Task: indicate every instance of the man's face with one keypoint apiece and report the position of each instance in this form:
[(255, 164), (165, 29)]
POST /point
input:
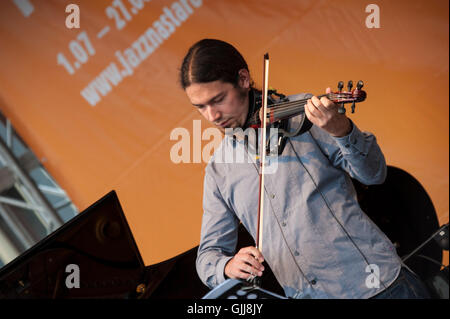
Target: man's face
[(221, 103)]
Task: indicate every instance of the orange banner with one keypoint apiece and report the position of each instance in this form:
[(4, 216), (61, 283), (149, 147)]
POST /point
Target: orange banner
[(98, 104)]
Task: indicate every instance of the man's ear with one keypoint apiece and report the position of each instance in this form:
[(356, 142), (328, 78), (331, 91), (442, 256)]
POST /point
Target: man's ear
[(244, 78)]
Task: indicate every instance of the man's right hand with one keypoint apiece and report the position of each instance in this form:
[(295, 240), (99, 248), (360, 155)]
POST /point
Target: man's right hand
[(245, 264)]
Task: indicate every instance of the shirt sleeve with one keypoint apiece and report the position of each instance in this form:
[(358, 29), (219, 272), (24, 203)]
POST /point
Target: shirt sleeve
[(218, 234), (358, 153)]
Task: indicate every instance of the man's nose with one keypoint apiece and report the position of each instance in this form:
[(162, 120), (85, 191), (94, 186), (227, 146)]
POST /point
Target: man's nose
[(212, 113)]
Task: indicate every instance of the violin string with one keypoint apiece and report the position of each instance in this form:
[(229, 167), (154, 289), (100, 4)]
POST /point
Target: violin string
[(287, 109), (283, 104), (292, 107), (331, 96)]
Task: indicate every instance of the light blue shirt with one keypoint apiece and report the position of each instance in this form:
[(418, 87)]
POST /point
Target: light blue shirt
[(316, 239)]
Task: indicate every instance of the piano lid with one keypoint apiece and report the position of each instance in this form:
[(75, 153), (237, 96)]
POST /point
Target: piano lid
[(94, 255)]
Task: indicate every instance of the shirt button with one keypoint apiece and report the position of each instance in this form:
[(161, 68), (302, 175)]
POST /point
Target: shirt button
[(347, 145), (273, 196), (363, 154), (283, 224), (313, 282), (296, 253)]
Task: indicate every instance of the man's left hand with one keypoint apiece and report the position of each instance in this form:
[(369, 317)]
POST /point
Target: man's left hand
[(324, 114)]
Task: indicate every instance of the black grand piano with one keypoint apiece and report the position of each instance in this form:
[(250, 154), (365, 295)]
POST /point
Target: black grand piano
[(99, 242), (97, 246)]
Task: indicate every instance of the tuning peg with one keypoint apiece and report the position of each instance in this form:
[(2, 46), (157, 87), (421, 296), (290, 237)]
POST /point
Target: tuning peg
[(340, 85), (360, 84), (349, 85)]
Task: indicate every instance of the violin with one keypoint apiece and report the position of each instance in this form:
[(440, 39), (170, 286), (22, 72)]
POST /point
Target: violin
[(285, 109), (280, 109)]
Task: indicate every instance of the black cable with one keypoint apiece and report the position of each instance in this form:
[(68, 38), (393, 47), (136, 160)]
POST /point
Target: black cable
[(432, 260)]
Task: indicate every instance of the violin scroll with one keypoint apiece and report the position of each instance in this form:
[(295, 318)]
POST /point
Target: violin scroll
[(350, 96)]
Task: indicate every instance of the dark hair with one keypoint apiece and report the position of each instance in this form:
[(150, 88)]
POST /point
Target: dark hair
[(210, 60)]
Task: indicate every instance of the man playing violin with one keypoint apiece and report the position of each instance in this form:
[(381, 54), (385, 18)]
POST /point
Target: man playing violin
[(318, 241)]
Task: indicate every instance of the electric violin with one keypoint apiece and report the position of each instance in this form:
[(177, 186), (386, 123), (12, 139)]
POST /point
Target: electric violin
[(281, 108)]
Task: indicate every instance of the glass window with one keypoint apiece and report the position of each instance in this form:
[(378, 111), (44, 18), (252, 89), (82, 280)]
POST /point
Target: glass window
[(22, 221)]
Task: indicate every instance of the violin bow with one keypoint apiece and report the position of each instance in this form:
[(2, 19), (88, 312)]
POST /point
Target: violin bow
[(262, 152)]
